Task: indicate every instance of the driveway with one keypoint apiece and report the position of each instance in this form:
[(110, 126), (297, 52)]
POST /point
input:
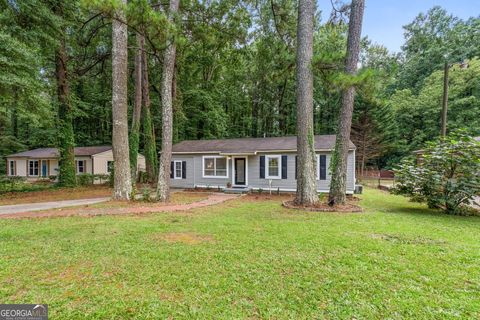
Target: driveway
[(28, 207)]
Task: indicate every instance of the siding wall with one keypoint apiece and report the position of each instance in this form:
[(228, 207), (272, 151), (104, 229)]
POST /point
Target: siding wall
[(194, 174), (100, 162), (53, 170), (22, 167)]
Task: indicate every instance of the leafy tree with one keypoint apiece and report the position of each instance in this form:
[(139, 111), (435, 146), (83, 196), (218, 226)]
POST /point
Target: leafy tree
[(431, 39), (373, 130), (446, 175), (419, 114)]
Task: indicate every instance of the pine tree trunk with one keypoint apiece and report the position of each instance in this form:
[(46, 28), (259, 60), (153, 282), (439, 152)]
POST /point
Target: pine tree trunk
[(163, 187), (338, 185), (306, 182), (122, 178), (137, 109), (148, 129), (66, 137)]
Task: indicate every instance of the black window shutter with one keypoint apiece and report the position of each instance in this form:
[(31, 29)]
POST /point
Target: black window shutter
[(284, 166), (262, 167), (171, 169), (323, 167), (184, 169), (295, 167)]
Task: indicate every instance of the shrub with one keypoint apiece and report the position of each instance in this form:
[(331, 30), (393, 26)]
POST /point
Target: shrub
[(111, 178), (142, 177), (20, 184), (448, 177), (101, 178), (147, 193), (85, 179)]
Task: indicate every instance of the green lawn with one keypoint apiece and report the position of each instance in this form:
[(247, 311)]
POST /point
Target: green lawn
[(248, 259)]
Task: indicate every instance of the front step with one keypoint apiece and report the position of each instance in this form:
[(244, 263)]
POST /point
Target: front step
[(237, 190)]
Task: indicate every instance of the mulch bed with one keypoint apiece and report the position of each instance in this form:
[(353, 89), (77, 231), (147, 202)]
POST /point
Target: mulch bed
[(323, 207)]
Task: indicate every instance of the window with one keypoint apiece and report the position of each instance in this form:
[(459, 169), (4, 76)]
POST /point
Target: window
[(80, 166), (215, 167), (321, 167), (11, 168), (178, 170), (33, 167), (109, 166), (273, 167)]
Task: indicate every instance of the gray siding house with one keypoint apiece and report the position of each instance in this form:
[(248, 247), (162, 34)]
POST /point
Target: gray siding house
[(255, 163)]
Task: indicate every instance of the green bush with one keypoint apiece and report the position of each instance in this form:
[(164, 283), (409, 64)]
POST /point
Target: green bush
[(111, 178), (447, 177), (142, 177), (85, 179), (101, 178), (20, 184)]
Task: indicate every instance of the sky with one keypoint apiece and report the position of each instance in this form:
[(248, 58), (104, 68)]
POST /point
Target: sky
[(384, 19)]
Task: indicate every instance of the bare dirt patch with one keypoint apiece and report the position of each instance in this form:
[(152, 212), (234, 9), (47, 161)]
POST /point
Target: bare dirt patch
[(184, 237), (267, 196), (324, 207), (56, 194), (125, 207)]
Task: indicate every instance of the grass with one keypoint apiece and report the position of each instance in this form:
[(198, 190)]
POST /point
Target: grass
[(248, 258)]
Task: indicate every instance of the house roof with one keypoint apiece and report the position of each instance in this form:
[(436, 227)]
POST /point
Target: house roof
[(53, 152), (251, 145)]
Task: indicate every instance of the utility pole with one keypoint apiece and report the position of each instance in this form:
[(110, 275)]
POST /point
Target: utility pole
[(445, 100)]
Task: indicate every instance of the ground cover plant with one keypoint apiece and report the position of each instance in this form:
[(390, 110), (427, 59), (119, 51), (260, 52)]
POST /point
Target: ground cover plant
[(248, 258)]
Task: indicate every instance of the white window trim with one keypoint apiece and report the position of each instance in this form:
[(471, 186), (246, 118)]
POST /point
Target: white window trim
[(267, 167), (246, 171), (38, 168), (318, 167), (214, 167), (78, 166), (175, 169), (10, 167)]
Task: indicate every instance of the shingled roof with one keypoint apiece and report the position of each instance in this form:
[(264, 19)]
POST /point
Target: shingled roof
[(251, 145), (42, 153)]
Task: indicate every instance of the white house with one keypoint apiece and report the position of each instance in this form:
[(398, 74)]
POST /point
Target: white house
[(43, 162)]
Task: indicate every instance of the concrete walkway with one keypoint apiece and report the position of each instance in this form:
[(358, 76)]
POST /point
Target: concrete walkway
[(29, 207)]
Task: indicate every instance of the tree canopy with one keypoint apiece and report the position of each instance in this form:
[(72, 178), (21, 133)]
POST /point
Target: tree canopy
[(234, 74)]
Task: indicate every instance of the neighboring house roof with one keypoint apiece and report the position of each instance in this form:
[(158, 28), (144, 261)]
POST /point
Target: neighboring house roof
[(53, 152), (251, 145)]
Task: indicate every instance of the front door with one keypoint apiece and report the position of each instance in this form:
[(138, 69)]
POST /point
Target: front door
[(44, 168), (240, 170)]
